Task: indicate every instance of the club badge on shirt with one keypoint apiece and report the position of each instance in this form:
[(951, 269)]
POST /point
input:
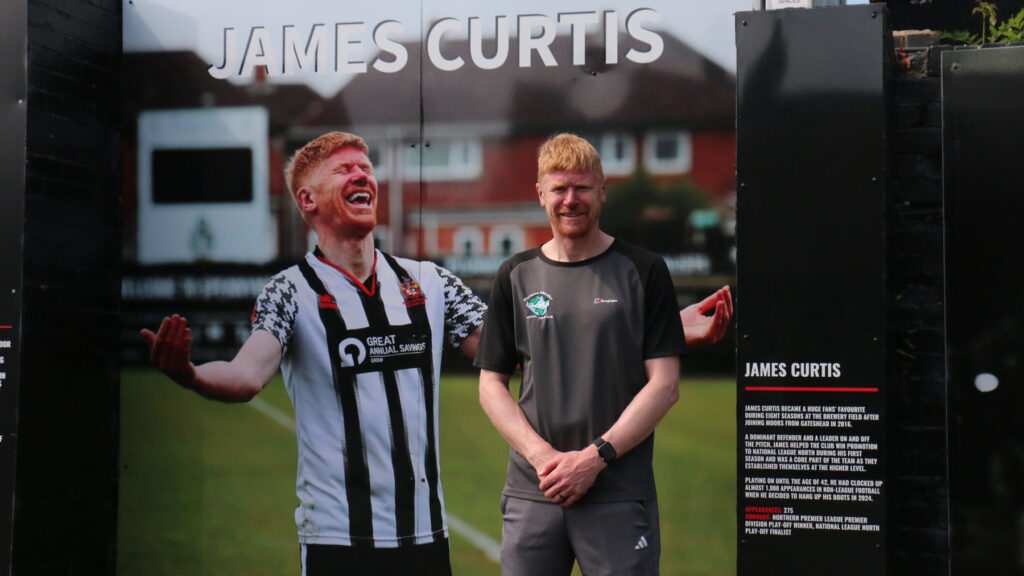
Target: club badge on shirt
[(412, 294), (539, 303)]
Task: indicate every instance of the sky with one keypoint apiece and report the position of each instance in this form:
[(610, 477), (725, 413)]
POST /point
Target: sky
[(198, 25)]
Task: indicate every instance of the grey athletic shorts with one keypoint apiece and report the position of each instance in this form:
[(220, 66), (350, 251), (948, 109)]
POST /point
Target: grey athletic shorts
[(607, 538)]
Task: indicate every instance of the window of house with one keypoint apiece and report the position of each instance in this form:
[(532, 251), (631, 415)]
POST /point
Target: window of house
[(467, 241), (618, 152), (445, 160), (668, 152), (379, 160), (507, 240)]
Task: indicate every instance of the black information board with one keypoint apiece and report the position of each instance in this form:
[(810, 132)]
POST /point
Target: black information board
[(811, 306), (982, 92), (12, 198)]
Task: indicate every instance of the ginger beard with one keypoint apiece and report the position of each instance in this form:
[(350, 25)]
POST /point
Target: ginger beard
[(572, 201), (346, 193)]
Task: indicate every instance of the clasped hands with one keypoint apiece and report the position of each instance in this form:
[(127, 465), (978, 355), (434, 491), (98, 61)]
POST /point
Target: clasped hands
[(565, 477)]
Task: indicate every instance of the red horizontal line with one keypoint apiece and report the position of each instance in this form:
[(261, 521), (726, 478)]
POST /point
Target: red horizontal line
[(805, 389), (7, 327)]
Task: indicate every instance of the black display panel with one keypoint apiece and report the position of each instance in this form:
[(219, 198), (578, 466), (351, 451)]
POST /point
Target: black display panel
[(811, 291), (202, 175), (982, 149)]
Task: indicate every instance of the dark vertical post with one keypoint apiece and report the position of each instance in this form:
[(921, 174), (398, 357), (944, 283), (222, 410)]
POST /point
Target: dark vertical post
[(12, 197), (811, 298), (917, 510), (65, 494)]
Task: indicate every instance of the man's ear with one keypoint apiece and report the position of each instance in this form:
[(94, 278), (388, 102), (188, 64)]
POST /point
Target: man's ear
[(304, 198), (540, 194)]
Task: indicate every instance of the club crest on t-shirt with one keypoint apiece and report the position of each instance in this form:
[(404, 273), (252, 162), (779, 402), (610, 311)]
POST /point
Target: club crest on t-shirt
[(411, 293), (538, 303)]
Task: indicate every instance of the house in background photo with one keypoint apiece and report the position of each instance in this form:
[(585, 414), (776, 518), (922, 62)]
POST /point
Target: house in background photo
[(208, 217)]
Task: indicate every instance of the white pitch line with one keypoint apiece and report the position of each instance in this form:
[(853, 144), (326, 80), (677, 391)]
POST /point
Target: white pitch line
[(482, 542), (273, 412)]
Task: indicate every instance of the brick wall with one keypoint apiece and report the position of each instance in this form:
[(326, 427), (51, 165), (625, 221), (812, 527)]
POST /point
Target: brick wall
[(66, 479), (918, 495)]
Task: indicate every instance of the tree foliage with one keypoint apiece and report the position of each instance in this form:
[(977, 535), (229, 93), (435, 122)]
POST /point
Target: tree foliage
[(652, 214), (992, 30)]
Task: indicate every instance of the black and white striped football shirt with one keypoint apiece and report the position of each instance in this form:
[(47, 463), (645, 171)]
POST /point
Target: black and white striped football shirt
[(361, 365)]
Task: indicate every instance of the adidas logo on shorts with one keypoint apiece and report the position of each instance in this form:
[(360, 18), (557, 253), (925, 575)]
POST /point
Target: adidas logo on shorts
[(641, 543)]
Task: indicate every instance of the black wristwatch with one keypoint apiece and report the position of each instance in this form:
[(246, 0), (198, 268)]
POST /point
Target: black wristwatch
[(605, 450)]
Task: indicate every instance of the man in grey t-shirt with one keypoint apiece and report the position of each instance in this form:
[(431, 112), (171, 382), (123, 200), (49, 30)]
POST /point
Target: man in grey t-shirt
[(593, 322)]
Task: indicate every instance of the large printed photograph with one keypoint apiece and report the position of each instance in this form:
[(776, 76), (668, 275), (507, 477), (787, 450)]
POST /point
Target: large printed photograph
[(452, 101)]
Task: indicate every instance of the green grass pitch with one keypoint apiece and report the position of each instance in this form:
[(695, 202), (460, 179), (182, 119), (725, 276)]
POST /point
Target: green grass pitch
[(209, 489)]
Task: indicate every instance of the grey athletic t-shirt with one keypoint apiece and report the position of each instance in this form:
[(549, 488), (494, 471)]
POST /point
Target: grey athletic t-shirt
[(581, 331)]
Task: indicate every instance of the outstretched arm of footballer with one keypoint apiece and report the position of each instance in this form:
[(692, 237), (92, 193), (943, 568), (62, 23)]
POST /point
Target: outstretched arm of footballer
[(508, 418), (236, 381), (567, 476), (702, 330)]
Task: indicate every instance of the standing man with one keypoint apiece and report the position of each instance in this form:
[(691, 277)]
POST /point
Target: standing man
[(593, 322), (358, 336)]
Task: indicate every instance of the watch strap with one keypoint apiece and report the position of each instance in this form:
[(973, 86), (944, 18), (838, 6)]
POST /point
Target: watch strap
[(605, 450)]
